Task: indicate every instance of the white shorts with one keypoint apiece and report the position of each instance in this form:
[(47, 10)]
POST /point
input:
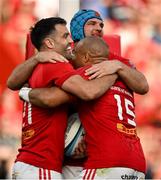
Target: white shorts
[(26, 171), (111, 173), (71, 172)]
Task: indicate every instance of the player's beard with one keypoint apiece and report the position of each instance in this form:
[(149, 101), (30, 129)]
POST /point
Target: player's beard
[(69, 54), (97, 34)]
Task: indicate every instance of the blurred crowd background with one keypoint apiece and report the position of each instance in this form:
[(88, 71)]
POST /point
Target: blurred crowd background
[(138, 22)]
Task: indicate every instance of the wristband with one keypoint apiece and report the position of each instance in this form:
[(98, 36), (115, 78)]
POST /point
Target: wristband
[(24, 93)]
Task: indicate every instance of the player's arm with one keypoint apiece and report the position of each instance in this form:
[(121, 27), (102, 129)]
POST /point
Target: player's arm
[(54, 96), (23, 71), (134, 79), (46, 97), (75, 84), (88, 90)]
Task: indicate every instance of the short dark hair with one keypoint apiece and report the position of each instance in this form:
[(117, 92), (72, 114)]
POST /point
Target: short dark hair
[(43, 28)]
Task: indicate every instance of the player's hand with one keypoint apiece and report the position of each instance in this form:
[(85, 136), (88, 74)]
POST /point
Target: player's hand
[(52, 57), (102, 69), (80, 150)]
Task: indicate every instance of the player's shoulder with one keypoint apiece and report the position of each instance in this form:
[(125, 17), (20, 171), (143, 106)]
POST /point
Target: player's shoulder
[(81, 71), (114, 56), (57, 67)]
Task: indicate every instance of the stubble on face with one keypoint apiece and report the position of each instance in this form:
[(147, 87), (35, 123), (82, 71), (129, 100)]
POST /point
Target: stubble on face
[(93, 27), (63, 41)]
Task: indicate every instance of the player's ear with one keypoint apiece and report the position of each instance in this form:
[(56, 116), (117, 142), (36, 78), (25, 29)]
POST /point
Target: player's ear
[(86, 57), (49, 43)]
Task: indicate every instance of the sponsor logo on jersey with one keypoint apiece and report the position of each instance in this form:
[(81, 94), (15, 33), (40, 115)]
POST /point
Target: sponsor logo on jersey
[(28, 134)]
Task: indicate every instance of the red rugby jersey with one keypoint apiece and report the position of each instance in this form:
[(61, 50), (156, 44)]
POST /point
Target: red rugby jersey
[(43, 129), (109, 123)]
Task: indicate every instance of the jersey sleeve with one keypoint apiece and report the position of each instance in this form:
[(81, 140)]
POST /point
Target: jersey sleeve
[(53, 73), (79, 71)]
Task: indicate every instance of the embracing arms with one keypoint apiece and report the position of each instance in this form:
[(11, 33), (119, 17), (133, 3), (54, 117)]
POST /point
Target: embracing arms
[(76, 85), (134, 79), (88, 90), (49, 97), (23, 71)]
